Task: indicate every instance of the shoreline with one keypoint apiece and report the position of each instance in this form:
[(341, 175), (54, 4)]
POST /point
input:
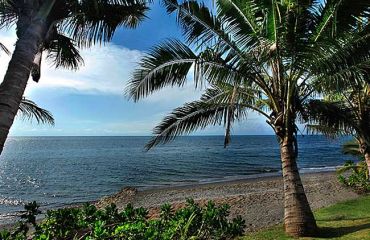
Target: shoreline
[(246, 196), (232, 179), (258, 200)]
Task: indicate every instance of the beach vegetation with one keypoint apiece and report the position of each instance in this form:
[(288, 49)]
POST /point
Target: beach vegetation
[(351, 174), (355, 175), (346, 113), (88, 222), (260, 56), (349, 220), (57, 29)]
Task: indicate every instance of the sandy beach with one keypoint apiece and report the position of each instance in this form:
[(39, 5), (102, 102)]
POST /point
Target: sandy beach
[(259, 201)]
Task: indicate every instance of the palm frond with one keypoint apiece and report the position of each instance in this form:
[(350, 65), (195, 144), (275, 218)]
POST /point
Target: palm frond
[(330, 118), (201, 27), (351, 12), (91, 22), (168, 64), (244, 13), (357, 168), (30, 110), (351, 148), (209, 110), (341, 62), (196, 20), (63, 52), (9, 10), (4, 49)]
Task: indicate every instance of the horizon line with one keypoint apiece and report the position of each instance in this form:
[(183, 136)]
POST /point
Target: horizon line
[(210, 135)]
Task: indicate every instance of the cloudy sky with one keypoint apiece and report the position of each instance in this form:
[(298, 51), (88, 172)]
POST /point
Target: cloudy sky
[(90, 101)]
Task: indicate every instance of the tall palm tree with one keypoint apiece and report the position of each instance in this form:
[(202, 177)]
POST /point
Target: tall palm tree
[(259, 56), (58, 28), (345, 114)]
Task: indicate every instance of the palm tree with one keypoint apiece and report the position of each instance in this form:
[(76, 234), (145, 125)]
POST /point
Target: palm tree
[(259, 56), (344, 114), (58, 28)]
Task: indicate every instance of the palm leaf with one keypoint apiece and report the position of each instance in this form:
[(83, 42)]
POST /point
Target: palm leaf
[(351, 148), (30, 110), (90, 22), (166, 65), (169, 64), (63, 53), (202, 28), (9, 10), (330, 118), (4, 49), (211, 109)]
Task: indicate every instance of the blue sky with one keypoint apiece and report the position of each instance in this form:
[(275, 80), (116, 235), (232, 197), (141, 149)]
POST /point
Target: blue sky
[(90, 101)]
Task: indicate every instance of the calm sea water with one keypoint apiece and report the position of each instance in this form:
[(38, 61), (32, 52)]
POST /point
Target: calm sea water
[(56, 171)]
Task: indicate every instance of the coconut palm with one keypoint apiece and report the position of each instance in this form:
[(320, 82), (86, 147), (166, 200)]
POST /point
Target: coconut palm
[(259, 56), (345, 114), (59, 28)]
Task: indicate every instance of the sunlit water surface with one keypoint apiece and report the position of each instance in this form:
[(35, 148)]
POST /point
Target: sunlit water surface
[(56, 171)]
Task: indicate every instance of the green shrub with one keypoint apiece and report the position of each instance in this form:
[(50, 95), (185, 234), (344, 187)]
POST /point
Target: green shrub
[(90, 223), (356, 177)]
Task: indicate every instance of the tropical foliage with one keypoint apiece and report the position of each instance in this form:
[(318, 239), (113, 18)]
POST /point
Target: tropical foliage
[(29, 110), (58, 29), (260, 56), (354, 175), (347, 113), (88, 222)]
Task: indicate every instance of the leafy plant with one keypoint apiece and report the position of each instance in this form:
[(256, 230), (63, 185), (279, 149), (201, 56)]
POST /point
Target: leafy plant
[(357, 177), (88, 222)]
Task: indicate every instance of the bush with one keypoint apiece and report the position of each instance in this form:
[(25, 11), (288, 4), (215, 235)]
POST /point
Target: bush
[(88, 222), (355, 176)]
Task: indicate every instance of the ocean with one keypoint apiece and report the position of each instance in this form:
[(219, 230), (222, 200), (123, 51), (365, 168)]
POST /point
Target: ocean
[(59, 171)]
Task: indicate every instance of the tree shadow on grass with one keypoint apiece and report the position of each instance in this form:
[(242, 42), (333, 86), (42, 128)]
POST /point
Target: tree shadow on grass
[(331, 232)]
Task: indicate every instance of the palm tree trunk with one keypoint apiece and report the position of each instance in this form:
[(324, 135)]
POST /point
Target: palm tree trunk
[(15, 81), (367, 160), (298, 218), (364, 149)]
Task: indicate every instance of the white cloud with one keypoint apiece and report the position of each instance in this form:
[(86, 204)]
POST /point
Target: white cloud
[(107, 70)]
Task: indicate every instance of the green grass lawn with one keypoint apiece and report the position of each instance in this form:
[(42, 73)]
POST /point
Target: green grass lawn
[(347, 220)]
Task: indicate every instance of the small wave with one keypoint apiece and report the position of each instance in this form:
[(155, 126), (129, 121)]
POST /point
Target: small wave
[(11, 202), (10, 218), (319, 169)]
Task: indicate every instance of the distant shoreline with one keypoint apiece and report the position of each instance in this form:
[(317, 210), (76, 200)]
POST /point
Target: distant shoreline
[(236, 179)]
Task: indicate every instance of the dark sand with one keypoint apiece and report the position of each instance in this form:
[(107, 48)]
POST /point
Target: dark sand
[(259, 201)]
